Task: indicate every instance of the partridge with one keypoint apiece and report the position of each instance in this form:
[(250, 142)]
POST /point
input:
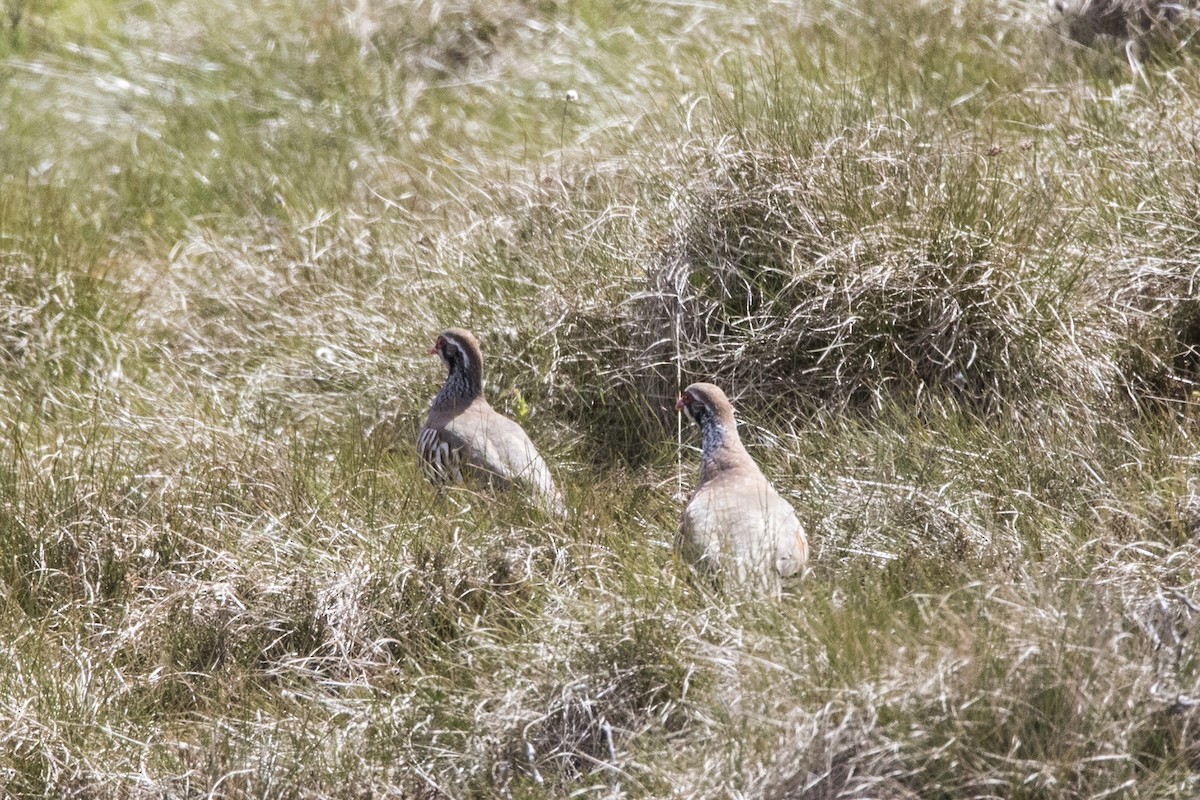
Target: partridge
[(736, 524), (464, 437)]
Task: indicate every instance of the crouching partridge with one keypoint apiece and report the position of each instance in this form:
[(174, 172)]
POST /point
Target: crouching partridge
[(464, 437), (736, 523)]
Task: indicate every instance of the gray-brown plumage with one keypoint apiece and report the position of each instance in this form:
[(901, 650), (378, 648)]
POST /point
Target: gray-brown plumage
[(465, 438), (736, 524)]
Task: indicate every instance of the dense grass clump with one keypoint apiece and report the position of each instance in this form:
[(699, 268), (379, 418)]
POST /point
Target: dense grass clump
[(842, 279), (1141, 26), (942, 258)]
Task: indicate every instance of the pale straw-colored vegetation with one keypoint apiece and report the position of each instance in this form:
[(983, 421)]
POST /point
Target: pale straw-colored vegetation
[(943, 259)]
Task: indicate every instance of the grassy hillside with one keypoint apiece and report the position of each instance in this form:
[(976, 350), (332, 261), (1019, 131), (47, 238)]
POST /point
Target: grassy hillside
[(944, 261)]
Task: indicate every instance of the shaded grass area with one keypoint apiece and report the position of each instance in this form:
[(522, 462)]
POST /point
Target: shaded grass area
[(942, 260)]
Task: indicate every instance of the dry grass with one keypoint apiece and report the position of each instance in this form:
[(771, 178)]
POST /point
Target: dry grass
[(943, 261)]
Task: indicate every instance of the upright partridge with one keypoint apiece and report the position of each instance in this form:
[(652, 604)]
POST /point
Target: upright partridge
[(736, 523), (465, 437)]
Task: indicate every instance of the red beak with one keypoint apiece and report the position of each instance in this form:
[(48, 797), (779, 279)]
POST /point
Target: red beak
[(433, 351), (679, 404)]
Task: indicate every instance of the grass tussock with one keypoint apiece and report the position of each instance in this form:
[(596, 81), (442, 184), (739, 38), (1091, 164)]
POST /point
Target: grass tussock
[(842, 279), (942, 259), (1145, 25)]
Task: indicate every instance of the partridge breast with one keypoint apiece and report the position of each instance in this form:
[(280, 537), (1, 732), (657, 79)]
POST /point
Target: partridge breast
[(743, 528)]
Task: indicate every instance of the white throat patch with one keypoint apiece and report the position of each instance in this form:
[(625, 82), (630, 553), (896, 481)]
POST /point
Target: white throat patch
[(462, 352)]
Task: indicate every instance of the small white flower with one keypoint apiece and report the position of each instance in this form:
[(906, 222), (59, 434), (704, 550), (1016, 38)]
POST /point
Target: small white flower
[(572, 96)]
